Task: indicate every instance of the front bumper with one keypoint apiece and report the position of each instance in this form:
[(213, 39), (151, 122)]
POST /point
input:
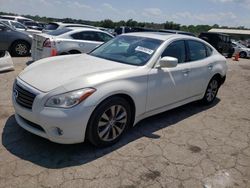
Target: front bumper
[(64, 126)]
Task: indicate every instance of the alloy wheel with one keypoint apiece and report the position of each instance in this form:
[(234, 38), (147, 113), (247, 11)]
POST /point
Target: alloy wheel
[(212, 90), (112, 123), (21, 49)]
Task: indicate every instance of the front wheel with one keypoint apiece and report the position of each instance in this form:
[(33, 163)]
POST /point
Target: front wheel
[(20, 49), (109, 121), (211, 91)]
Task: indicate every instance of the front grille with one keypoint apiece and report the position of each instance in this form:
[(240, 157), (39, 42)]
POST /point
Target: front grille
[(38, 127), (24, 97)]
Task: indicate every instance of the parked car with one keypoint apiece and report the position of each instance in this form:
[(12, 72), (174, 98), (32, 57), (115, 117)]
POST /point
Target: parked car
[(122, 30), (16, 42), (16, 18), (60, 25), (33, 25), (220, 42), (69, 40), (97, 96), (18, 26), (6, 62), (243, 51)]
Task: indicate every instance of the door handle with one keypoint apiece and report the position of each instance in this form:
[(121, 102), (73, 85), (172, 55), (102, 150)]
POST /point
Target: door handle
[(185, 72), (210, 67)]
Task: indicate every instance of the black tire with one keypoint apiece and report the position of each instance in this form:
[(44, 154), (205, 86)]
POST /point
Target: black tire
[(211, 91), (95, 127), (243, 54), (20, 49), (74, 52)]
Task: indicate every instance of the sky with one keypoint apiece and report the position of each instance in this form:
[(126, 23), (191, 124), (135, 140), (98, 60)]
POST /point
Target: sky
[(185, 12)]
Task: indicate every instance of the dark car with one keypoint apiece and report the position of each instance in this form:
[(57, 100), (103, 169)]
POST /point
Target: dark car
[(221, 42), (16, 42)]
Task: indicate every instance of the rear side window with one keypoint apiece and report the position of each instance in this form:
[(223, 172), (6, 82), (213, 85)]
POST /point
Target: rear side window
[(197, 50), (59, 31), (209, 50), (86, 35), (176, 49), (51, 26)]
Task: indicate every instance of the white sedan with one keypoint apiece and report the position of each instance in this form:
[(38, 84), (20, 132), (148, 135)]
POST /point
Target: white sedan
[(97, 96), (68, 40)]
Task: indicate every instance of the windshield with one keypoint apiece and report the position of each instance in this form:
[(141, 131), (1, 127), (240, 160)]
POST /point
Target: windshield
[(241, 45), (128, 49), (59, 31)]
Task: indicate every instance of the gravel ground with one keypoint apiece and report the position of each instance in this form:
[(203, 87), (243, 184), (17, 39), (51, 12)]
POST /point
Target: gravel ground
[(191, 146)]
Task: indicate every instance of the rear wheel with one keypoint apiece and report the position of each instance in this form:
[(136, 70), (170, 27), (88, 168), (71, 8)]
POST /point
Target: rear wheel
[(20, 49), (243, 54), (211, 91), (109, 121)]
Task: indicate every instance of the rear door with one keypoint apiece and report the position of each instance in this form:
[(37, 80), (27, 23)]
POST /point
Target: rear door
[(201, 63)]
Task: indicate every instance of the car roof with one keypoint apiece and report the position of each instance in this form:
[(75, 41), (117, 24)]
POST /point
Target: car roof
[(63, 24), (159, 35), (77, 29)]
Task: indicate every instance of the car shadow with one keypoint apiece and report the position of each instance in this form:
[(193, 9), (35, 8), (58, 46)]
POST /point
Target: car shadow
[(44, 153)]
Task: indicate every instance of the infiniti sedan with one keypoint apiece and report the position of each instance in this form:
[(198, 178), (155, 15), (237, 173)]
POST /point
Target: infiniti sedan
[(97, 96)]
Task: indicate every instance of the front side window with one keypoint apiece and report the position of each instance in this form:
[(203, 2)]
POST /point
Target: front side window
[(131, 50), (18, 25), (104, 37), (176, 49), (197, 50)]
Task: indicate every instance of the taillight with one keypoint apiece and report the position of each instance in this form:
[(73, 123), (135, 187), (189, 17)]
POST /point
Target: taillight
[(47, 43)]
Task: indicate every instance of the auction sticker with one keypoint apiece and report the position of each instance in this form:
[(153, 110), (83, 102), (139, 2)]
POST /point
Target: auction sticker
[(144, 50)]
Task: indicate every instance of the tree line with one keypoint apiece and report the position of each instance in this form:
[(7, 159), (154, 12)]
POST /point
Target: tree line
[(107, 23)]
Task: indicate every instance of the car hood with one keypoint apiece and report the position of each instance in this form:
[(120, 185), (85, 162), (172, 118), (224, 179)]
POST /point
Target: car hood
[(50, 73)]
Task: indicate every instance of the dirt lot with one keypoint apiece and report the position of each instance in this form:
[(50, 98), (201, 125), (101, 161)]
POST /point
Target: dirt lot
[(192, 146)]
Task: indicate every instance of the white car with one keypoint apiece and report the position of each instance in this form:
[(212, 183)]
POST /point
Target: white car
[(6, 62), (20, 19), (60, 25), (243, 51), (67, 41), (18, 26), (97, 96)]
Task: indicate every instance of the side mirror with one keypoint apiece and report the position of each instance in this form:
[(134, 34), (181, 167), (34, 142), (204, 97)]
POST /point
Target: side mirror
[(168, 62)]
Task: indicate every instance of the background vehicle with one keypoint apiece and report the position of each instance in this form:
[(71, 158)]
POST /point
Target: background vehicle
[(18, 26), (16, 18), (16, 42), (241, 49), (33, 25), (122, 30), (6, 62), (69, 40), (59, 25), (100, 94), (220, 42)]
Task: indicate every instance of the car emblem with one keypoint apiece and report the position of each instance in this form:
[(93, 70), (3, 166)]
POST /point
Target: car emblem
[(15, 93)]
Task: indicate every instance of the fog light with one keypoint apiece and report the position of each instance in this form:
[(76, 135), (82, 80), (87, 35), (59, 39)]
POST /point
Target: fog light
[(59, 131)]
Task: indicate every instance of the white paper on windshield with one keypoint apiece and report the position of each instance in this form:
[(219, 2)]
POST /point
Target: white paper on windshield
[(144, 50)]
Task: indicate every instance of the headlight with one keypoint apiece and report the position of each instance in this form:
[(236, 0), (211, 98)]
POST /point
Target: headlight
[(70, 99)]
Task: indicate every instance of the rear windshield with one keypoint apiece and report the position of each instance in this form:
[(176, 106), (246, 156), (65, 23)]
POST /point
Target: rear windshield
[(51, 26), (59, 31)]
